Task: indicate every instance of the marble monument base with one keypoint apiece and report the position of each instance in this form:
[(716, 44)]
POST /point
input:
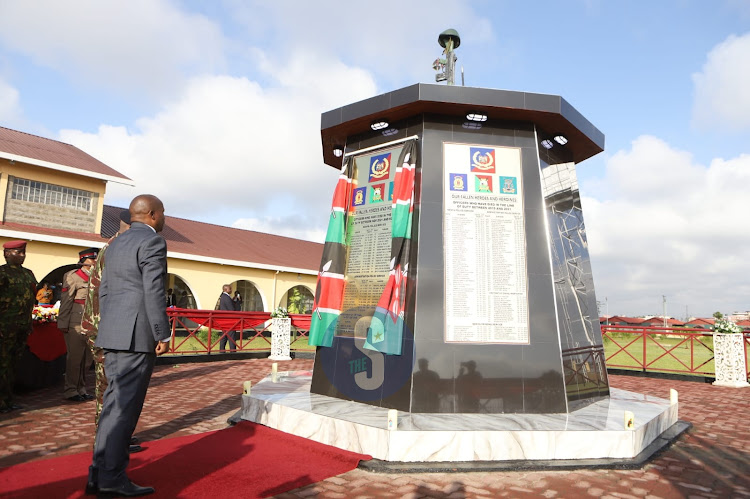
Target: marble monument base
[(594, 432)]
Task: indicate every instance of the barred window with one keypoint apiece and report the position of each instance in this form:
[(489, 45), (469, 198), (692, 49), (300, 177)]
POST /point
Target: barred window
[(55, 195)]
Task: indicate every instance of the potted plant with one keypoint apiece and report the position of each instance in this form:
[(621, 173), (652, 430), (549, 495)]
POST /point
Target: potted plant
[(729, 354)]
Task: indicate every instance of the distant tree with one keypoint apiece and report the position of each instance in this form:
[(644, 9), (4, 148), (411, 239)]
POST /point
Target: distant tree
[(718, 315), (294, 302)]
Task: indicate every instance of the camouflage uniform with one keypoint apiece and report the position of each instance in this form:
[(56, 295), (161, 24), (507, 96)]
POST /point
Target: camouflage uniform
[(74, 291), (90, 327), (17, 298)]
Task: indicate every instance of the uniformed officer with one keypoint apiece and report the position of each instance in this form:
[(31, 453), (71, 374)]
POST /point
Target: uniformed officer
[(17, 297), (74, 291)]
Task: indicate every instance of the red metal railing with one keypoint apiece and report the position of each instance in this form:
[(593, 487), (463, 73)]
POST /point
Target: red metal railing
[(660, 349), (201, 331)]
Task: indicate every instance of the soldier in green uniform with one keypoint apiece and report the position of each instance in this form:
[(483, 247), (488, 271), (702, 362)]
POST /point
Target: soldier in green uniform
[(74, 291), (17, 297), (90, 326)]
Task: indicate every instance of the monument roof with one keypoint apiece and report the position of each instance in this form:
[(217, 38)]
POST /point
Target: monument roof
[(551, 113), (48, 153)]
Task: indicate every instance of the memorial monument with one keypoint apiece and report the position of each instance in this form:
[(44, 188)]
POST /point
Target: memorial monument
[(455, 279)]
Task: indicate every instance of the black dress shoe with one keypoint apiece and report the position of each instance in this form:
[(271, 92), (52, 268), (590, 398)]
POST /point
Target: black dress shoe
[(88, 397), (134, 440), (76, 398), (91, 483), (11, 407), (127, 490), (132, 449)]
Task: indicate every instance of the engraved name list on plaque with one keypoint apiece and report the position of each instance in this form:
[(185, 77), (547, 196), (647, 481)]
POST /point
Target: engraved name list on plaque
[(486, 298)]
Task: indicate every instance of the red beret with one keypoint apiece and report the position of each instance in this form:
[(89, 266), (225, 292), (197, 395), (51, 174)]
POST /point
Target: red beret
[(15, 244)]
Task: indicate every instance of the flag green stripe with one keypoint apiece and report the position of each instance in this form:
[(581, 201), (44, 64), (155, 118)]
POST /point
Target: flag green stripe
[(401, 225), (321, 329), (335, 232)]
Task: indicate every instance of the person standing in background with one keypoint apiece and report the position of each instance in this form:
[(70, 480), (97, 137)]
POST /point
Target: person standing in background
[(17, 296), (79, 359), (44, 295), (226, 303)]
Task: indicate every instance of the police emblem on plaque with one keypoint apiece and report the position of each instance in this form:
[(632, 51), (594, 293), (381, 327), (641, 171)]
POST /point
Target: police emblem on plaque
[(482, 160), (380, 167)]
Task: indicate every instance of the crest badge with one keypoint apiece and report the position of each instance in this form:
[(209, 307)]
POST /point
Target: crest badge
[(377, 193), (509, 185), (380, 167), (359, 196), (483, 183), (458, 182), (482, 160)]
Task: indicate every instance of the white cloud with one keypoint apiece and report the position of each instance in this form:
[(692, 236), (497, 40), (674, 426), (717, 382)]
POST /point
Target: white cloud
[(227, 149), (299, 226), (669, 226), (135, 46), (722, 88), (397, 40), (10, 105)]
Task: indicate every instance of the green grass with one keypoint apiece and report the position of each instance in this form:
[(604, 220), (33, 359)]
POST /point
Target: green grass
[(657, 358)]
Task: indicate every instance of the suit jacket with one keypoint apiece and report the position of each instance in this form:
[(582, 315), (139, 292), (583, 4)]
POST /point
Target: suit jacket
[(132, 293), (225, 302)]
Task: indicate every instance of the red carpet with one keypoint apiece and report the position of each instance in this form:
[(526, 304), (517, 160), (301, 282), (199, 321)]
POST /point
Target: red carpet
[(246, 460)]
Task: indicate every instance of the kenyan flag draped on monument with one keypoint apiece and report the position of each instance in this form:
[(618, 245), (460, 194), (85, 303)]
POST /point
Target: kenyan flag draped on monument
[(329, 293), (387, 325)]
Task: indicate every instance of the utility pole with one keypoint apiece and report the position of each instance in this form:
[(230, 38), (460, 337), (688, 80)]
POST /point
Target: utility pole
[(664, 303)]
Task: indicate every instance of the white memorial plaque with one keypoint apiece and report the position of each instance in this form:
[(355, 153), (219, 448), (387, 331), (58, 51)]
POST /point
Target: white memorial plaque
[(484, 241)]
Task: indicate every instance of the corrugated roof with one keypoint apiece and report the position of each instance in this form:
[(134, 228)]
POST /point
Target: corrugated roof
[(38, 148), (629, 320), (205, 240)]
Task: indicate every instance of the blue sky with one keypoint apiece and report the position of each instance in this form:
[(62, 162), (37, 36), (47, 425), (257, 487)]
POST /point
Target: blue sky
[(215, 107)]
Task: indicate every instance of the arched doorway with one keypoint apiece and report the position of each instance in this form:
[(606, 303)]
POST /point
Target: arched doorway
[(298, 300), (252, 301), (184, 297)]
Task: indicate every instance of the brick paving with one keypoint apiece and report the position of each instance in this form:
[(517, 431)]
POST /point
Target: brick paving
[(712, 460)]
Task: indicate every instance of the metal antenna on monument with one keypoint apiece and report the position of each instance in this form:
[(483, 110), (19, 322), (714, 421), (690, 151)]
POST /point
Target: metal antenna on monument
[(450, 41)]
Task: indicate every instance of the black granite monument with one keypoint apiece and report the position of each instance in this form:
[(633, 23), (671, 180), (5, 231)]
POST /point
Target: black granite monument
[(500, 309)]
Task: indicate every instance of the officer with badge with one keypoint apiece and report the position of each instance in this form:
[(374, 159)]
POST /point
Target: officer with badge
[(17, 298), (72, 300)]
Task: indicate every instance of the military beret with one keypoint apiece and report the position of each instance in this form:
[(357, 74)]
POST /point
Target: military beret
[(14, 244), (88, 253)]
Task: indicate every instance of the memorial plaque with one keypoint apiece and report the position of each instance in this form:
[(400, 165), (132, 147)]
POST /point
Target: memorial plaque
[(486, 298), (368, 235)]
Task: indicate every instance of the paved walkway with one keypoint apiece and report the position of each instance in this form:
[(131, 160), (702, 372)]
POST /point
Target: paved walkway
[(711, 461)]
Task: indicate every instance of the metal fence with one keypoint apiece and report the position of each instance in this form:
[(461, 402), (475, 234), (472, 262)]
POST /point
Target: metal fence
[(659, 349), (202, 331)]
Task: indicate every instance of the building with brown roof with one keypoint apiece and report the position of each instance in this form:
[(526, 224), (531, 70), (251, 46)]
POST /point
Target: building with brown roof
[(53, 197)]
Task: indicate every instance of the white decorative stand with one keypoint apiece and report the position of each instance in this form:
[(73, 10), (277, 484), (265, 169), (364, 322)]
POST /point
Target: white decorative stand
[(281, 328), (729, 359)]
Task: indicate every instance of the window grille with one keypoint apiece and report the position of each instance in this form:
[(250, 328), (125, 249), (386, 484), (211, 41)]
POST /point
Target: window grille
[(50, 194)]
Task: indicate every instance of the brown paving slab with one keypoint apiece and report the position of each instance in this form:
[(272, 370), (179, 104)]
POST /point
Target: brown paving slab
[(712, 460)]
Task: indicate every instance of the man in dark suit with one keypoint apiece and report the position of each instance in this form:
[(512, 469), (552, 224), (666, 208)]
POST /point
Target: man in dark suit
[(133, 330), (226, 303)]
